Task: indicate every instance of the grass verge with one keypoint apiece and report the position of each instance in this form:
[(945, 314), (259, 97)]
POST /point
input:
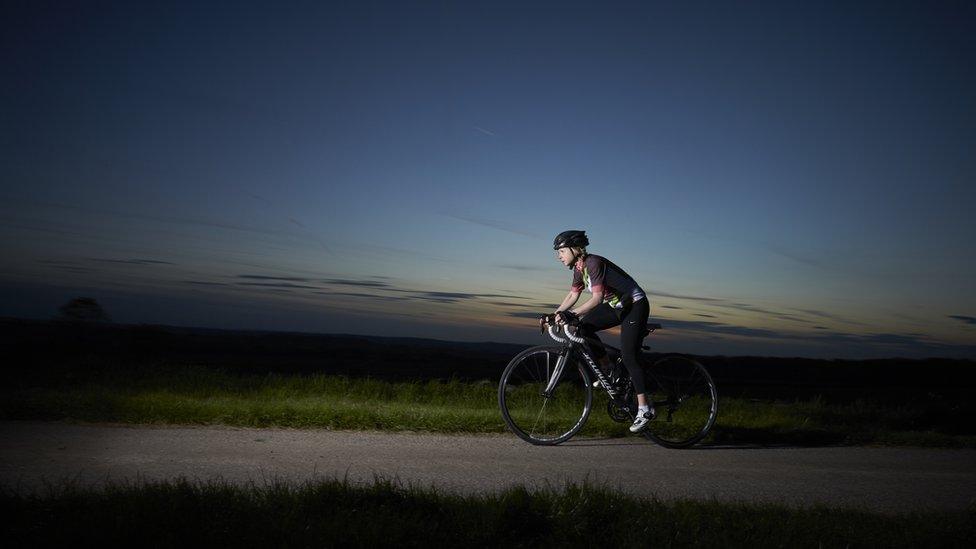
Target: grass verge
[(327, 513), (201, 395)]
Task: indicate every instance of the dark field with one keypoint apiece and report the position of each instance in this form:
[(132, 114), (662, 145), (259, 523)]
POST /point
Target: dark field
[(50, 343), (154, 374), (330, 513)]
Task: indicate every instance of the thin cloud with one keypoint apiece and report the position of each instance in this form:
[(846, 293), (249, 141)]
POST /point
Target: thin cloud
[(66, 266), (828, 316), (131, 261), (443, 297), (754, 309), (438, 297), (73, 269), (347, 282), (279, 285), (367, 296), (964, 319), (167, 219), (524, 268), (857, 262), (451, 295), (441, 301), (386, 251), (894, 339), (260, 198), (484, 131), (904, 341), (282, 278), (492, 224), (299, 224), (725, 304), (691, 297), (914, 342), (720, 328), (462, 295), (203, 283), (803, 260)]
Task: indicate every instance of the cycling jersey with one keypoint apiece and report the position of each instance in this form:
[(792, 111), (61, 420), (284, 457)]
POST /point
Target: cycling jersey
[(598, 273)]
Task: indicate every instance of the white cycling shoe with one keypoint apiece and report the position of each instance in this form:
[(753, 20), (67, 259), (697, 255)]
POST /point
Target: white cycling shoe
[(642, 420)]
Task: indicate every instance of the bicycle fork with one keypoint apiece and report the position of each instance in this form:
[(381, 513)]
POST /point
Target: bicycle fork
[(556, 373)]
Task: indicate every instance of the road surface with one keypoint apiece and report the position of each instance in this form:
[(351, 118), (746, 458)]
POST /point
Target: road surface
[(888, 480)]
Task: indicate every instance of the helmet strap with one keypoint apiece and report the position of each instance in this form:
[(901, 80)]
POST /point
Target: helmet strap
[(576, 257)]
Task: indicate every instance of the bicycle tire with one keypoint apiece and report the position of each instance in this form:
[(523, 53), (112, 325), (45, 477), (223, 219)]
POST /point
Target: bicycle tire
[(528, 412), (685, 400)]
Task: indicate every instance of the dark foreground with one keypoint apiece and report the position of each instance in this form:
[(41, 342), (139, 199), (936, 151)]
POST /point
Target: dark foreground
[(337, 513), (40, 346)]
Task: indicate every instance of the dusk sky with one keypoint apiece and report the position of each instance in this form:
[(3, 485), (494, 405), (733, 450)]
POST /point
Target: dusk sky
[(786, 179)]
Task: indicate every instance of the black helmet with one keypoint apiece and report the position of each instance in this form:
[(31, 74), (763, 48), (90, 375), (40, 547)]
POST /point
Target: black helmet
[(571, 239)]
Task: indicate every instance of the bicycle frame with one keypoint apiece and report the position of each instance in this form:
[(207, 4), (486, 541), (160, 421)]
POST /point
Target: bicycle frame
[(571, 343), (679, 378)]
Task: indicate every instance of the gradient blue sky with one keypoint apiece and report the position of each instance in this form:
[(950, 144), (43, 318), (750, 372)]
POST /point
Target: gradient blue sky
[(782, 178)]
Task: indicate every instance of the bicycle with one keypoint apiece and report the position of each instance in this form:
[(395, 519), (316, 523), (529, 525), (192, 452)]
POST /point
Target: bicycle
[(545, 392)]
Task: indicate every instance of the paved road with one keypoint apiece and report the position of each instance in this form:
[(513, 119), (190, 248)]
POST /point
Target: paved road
[(882, 479)]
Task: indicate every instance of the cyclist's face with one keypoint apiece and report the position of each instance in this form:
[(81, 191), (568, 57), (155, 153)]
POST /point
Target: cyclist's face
[(565, 256)]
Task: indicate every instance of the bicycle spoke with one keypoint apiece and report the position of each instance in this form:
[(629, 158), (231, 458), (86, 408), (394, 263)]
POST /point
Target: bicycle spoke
[(688, 403), (543, 418), (542, 411), (542, 408)]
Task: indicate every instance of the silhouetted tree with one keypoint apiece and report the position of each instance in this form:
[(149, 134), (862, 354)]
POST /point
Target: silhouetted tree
[(83, 309)]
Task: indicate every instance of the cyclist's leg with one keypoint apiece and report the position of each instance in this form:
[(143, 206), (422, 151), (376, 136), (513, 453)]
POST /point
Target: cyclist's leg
[(600, 318), (632, 328)]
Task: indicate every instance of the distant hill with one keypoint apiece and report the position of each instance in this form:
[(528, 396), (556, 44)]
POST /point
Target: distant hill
[(38, 341), (38, 344)]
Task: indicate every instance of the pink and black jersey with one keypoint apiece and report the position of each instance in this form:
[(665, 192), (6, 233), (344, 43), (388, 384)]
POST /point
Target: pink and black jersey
[(598, 273)]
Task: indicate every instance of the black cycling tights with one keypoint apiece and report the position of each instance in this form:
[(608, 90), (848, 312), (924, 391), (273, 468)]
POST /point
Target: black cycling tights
[(632, 320)]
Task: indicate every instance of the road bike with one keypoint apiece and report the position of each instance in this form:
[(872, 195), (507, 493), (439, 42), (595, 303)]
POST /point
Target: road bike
[(546, 392)]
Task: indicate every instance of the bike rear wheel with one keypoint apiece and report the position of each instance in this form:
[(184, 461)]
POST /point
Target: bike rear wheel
[(538, 416), (685, 399)]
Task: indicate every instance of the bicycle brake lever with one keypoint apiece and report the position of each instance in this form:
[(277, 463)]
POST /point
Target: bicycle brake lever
[(548, 319)]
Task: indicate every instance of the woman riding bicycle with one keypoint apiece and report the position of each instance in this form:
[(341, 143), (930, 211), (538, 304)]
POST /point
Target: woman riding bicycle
[(617, 301)]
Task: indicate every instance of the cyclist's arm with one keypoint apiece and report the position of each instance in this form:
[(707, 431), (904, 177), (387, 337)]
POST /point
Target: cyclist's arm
[(591, 304), (570, 300)]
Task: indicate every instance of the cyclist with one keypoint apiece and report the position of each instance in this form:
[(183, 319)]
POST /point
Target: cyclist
[(617, 301)]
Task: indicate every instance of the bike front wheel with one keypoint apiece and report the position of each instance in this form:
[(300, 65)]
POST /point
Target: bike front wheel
[(535, 414), (685, 399)]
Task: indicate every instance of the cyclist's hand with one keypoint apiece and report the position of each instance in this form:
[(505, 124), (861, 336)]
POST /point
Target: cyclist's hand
[(546, 320), (566, 317)]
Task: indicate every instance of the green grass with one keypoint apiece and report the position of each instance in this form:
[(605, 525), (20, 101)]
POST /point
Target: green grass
[(169, 394), (327, 513)]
